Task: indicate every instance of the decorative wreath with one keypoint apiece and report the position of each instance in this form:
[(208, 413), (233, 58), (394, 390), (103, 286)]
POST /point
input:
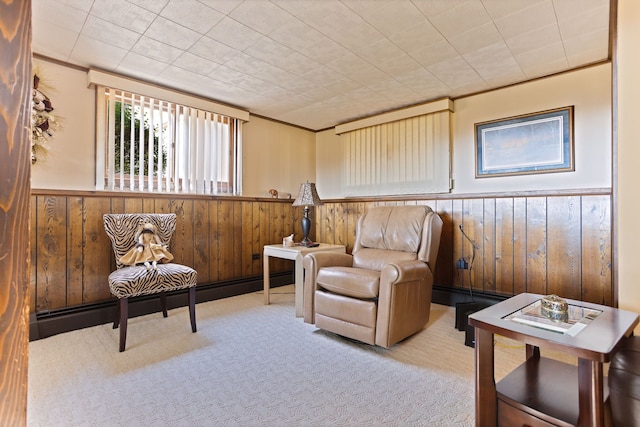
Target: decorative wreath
[(43, 122)]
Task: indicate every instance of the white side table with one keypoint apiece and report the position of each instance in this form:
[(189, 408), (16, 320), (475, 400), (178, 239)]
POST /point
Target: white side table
[(294, 253)]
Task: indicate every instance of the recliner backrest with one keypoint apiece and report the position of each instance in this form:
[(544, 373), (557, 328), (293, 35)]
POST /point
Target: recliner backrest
[(395, 233)]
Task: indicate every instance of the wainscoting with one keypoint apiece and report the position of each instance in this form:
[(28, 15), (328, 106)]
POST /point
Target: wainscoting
[(526, 242)]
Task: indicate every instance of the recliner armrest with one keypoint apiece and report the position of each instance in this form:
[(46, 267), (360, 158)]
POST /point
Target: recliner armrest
[(403, 301), (312, 263), (405, 271), (329, 259)]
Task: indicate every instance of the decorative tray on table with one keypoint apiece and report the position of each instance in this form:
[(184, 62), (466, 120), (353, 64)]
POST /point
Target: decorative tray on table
[(554, 314)]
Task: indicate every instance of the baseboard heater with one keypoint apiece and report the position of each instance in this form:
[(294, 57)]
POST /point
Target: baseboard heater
[(47, 323)]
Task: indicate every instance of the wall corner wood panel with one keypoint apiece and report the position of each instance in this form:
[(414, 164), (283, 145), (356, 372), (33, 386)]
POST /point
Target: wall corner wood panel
[(16, 82)]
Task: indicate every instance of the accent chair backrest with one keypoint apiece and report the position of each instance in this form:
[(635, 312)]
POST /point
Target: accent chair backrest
[(121, 229)]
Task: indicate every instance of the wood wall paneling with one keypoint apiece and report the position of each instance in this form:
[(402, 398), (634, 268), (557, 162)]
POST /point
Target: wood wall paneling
[(52, 253), (596, 252), (98, 251), (541, 244), (16, 85), (204, 238)]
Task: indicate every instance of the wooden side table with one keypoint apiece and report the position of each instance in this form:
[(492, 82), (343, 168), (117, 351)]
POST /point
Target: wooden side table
[(545, 391), (294, 253)]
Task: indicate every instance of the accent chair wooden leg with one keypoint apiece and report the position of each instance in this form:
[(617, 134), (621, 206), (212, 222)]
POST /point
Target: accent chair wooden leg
[(124, 314), (192, 308), (116, 319), (163, 303)]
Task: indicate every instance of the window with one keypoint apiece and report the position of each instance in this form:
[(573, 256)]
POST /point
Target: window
[(151, 145), (400, 152)]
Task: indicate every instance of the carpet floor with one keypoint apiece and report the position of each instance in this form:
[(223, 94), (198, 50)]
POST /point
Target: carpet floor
[(254, 365)]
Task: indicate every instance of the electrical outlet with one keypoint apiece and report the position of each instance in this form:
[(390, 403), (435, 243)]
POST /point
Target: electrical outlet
[(462, 264)]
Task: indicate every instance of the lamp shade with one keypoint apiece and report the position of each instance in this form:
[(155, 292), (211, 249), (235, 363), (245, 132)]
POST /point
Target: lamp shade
[(308, 195)]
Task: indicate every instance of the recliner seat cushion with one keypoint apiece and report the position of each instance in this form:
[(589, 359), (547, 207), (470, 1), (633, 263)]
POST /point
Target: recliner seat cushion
[(348, 281)]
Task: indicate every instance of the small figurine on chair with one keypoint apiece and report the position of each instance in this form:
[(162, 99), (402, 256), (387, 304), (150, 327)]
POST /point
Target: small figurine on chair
[(149, 249)]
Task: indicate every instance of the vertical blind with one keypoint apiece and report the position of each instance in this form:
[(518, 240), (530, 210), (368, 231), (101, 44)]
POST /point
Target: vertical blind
[(406, 156), (153, 145)]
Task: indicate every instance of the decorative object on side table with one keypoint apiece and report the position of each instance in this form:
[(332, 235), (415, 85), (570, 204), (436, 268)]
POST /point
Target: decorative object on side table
[(553, 313), (308, 196), (555, 308)]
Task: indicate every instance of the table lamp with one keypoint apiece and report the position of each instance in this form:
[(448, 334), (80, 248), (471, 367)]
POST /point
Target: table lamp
[(308, 196)]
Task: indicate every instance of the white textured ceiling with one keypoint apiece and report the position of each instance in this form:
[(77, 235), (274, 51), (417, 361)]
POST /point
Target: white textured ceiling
[(317, 63)]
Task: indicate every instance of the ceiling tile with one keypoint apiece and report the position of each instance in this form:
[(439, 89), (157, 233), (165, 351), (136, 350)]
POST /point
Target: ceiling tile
[(587, 48), (493, 61), (83, 5), (550, 58), (121, 12), (389, 17), (298, 64), (213, 50), (297, 35), (154, 6), (223, 6), (500, 8), (263, 16), (414, 39), (96, 53), (526, 20), (156, 50), (534, 39), (585, 22), (268, 50), (192, 14), (435, 53), (54, 41), (475, 38), (62, 15), (263, 70), (111, 33), (134, 63), (435, 7), (234, 34), (194, 63), (323, 75), (172, 34), (567, 9), (455, 73), (461, 18)]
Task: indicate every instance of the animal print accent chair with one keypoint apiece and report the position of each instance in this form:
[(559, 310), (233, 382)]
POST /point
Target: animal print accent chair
[(132, 281)]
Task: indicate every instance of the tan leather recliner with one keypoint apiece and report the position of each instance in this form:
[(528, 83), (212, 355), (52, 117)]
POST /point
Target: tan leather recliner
[(381, 293)]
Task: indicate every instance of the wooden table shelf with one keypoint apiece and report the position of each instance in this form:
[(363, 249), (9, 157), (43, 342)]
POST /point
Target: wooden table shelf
[(544, 388)]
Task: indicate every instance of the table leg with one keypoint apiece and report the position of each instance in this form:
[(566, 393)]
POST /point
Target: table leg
[(265, 278), (590, 393), (299, 285), (532, 351), (486, 395)]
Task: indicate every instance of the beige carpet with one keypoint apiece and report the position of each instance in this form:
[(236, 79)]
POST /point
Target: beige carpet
[(249, 365)]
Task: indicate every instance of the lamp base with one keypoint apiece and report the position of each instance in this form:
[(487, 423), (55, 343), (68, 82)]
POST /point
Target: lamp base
[(306, 227)]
